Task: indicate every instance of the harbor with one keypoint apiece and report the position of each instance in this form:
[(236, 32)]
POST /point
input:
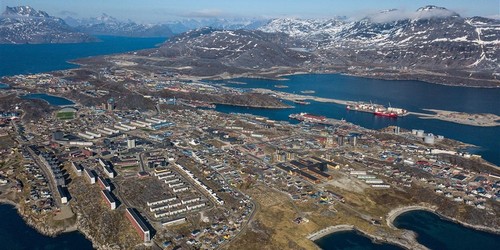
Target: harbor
[(470, 119)]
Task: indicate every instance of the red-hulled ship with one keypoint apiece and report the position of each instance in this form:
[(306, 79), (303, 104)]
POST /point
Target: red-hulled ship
[(386, 114)]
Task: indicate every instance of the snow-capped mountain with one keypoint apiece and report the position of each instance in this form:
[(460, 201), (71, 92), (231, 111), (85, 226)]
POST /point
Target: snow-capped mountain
[(182, 26), (431, 44), (305, 27), (209, 51), (108, 25), (24, 24), (429, 37)]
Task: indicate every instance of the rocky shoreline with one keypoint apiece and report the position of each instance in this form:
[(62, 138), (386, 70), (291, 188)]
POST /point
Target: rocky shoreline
[(409, 237), (428, 78), (408, 241), (393, 214), (47, 231)]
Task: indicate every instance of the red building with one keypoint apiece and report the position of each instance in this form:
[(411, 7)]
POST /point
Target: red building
[(109, 199), (138, 223)]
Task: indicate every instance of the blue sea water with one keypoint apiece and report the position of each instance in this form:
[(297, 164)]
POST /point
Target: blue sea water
[(52, 100), (351, 240), (35, 58), (432, 232), (16, 235), (410, 95), (437, 233)]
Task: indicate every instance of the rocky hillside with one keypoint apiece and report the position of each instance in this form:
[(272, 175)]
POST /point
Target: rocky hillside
[(23, 24), (207, 52), (429, 38)]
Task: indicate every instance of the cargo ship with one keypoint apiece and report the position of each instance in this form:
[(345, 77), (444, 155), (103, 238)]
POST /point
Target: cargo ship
[(377, 109)]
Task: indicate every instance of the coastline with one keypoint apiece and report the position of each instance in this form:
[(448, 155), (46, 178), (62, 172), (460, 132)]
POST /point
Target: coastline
[(393, 214), (46, 232), (409, 240), (409, 237), (282, 77), (330, 230)]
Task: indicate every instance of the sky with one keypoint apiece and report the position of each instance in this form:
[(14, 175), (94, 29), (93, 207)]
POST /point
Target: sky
[(166, 10)]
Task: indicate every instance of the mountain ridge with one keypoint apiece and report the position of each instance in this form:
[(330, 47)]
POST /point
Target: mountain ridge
[(23, 24)]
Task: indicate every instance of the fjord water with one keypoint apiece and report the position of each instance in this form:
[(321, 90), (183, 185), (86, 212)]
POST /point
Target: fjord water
[(350, 240), (16, 235), (410, 95), (437, 233), (35, 58)]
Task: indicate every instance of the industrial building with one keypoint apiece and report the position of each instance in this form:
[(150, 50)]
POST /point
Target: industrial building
[(139, 224)]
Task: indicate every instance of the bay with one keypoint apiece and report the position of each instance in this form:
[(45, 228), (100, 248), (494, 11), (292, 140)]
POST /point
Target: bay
[(437, 233), (36, 58), (16, 235), (351, 240), (432, 231)]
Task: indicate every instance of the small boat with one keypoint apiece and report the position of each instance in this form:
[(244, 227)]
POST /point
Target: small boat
[(280, 86), (301, 102), (307, 91)]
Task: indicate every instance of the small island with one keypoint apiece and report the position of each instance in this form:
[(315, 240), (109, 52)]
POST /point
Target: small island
[(480, 120)]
